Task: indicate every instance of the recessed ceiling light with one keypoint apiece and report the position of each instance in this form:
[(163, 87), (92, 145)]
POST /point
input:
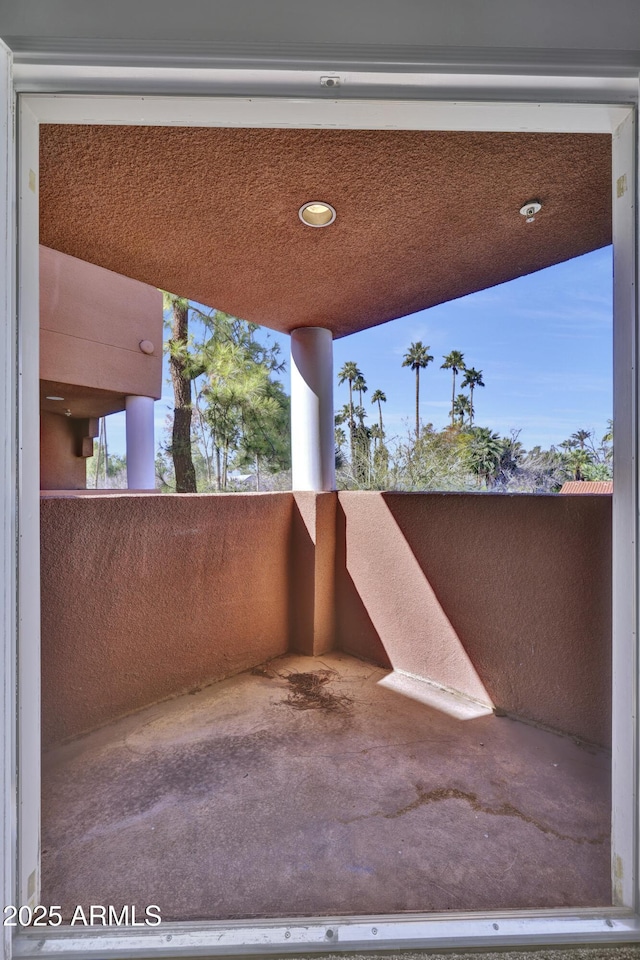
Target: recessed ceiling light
[(54, 398), (316, 213)]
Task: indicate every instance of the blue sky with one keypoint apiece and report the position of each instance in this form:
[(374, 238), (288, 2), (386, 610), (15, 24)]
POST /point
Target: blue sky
[(543, 342)]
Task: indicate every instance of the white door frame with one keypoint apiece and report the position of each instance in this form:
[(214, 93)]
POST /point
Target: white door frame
[(498, 929), (8, 422)]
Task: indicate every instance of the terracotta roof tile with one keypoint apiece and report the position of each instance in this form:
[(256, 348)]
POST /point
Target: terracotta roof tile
[(588, 486)]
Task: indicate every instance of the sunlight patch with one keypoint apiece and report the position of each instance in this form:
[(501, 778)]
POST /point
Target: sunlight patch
[(446, 701)]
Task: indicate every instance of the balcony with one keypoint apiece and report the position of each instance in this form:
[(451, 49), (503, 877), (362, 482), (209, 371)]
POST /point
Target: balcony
[(317, 704)]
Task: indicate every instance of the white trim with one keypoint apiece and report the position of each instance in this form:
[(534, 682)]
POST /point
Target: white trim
[(513, 929), (190, 80), (28, 513), (625, 518), (480, 116), (8, 418), (281, 937), (338, 54)]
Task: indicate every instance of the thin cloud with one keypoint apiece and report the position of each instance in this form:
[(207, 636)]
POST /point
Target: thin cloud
[(570, 381), (576, 316)]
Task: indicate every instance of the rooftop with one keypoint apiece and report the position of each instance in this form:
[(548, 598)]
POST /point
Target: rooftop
[(587, 486)]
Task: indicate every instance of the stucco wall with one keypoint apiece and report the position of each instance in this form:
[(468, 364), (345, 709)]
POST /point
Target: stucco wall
[(505, 598), (91, 323), (60, 466), (144, 597)]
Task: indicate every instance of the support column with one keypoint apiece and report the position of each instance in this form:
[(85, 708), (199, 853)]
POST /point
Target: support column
[(141, 454), (312, 609), (312, 424)]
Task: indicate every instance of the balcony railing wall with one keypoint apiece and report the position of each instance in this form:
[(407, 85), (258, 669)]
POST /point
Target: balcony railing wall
[(502, 598)]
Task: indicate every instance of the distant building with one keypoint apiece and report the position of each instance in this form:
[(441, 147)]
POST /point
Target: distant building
[(100, 352), (587, 486)]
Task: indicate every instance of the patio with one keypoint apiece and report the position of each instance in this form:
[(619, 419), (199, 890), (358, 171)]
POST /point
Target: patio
[(180, 770), (267, 795)]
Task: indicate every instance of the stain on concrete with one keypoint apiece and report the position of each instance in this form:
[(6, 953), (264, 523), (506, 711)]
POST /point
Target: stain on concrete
[(504, 810), (308, 692)]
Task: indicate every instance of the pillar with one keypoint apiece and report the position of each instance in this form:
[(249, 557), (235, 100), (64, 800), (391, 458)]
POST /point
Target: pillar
[(312, 605), (312, 424), (141, 454)]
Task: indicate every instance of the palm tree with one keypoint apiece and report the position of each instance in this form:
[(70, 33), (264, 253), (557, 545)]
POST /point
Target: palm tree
[(379, 398), (462, 407), (348, 374), (360, 384), (578, 461), (376, 433), (485, 451), (472, 379), (581, 437), (417, 357), (340, 438), (453, 361), (360, 413)]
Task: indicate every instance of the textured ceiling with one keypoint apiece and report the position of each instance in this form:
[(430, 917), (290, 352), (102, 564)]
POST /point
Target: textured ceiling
[(80, 400), (422, 217)]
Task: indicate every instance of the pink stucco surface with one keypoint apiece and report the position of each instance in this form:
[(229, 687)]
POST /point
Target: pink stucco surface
[(91, 323), (503, 598), (145, 597), (60, 465), (312, 583)]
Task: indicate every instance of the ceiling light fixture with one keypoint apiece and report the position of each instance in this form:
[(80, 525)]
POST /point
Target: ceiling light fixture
[(54, 398), (317, 213), (530, 209)]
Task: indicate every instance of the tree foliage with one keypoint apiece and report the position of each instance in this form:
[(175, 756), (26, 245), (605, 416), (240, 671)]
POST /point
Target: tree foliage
[(462, 456), (242, 413), (453, 361), (239, 421), (472, 379), (180, 365), (417, 358)]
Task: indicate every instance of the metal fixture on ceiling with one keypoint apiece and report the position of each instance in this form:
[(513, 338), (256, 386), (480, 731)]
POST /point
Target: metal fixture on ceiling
[(317, 213), (530, 209)]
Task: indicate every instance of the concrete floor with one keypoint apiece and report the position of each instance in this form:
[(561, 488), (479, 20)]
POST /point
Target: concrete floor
[(235, 802)]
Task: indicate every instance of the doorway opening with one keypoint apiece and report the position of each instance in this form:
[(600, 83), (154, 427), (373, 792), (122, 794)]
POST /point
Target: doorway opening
[(423, 794)]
